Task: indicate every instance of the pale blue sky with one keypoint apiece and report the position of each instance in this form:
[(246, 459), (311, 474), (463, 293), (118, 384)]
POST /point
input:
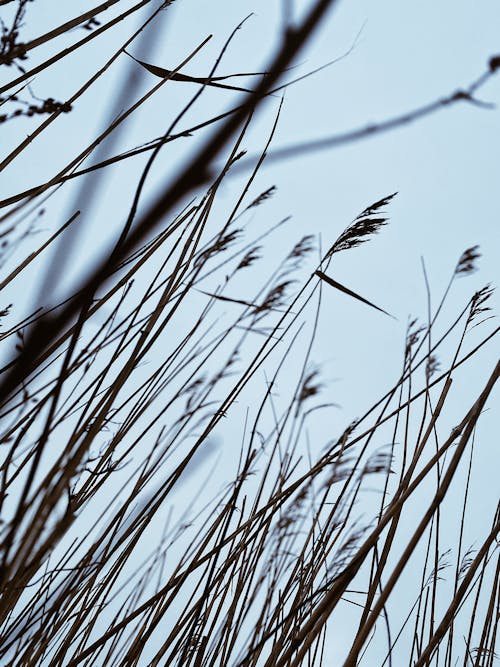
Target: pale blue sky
[(444, 167)]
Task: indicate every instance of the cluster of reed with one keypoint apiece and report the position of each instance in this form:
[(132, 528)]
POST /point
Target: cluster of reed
[(116, 550)]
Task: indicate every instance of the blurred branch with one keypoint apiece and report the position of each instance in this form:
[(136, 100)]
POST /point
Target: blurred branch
[(374, 129), (197, 173), (287, 152)]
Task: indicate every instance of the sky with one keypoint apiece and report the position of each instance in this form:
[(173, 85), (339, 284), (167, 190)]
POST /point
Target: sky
[(390, 58)]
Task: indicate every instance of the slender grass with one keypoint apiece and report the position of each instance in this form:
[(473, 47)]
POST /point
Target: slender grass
[(168, 491)]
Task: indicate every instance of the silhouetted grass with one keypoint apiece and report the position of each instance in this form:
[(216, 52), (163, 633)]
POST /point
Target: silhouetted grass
[(115, 549)]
